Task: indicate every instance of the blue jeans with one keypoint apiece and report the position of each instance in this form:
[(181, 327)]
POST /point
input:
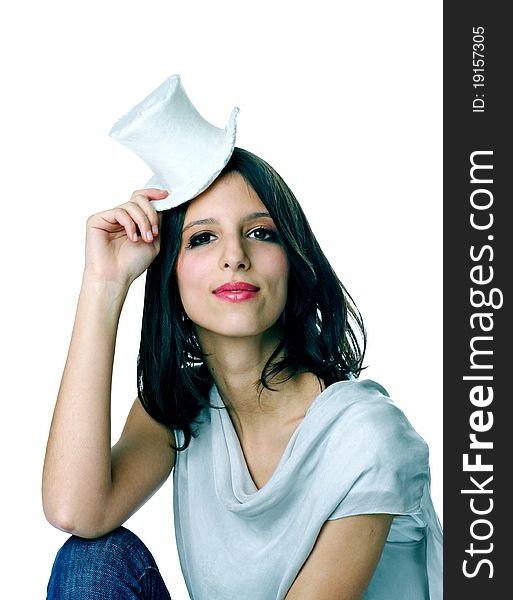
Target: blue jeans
[(116, 566)]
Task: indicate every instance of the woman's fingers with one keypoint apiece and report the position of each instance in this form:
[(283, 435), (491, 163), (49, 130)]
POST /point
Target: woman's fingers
[(137, 217), (144, 214), (141, 219), (109, 251)]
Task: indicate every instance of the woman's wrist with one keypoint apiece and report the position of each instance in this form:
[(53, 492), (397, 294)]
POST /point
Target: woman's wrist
[(104, 290)]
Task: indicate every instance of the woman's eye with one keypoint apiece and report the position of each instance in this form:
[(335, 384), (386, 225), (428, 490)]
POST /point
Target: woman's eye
[(199, 240), (262, 233)]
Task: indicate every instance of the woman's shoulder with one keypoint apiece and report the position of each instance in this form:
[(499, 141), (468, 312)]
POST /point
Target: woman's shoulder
[(370, 450), (363, 399), (362, 414)]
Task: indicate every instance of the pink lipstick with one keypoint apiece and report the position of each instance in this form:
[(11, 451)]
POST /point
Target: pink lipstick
[(236, 291)]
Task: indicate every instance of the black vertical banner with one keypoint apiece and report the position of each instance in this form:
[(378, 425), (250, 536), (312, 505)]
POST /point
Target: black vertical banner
[(478, 348)]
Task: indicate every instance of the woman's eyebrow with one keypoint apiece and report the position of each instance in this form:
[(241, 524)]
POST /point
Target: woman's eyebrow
[(212, 221), (200, 222), (255, 215)]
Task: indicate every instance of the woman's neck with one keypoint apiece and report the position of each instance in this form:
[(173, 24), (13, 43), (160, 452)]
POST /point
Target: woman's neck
[(236, 365)]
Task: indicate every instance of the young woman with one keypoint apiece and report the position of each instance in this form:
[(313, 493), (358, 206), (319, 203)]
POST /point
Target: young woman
[(293, 479)]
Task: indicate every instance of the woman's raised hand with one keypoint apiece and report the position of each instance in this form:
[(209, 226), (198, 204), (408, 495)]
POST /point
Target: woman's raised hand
[(122, 242)]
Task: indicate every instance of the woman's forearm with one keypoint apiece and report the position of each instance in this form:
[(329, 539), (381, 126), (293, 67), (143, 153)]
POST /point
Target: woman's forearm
[(77, 468)]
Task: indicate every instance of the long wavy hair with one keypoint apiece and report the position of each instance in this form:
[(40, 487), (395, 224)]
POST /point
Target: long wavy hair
[(323, 331)]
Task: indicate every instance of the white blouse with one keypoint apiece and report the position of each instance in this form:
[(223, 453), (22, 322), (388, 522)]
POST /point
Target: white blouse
[(354, 453)]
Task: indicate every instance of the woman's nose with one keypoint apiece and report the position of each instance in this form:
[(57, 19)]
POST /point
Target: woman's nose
[(234, 255)]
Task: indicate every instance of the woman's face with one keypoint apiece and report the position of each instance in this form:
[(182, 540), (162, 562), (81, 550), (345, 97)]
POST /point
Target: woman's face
[(232, 270)]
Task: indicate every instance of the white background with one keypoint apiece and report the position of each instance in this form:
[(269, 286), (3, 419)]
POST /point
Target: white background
[(344, 99)]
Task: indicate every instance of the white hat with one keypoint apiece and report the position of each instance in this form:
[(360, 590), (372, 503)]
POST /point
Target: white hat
[(184, 151)]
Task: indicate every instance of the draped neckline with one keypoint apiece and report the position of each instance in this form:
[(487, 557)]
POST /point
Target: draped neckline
[(235, 486)]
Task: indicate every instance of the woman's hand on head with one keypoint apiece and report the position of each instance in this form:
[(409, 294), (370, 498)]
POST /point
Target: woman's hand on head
[(122, 242)]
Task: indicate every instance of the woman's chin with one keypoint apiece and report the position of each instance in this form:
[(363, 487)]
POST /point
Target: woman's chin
[(237, 329)]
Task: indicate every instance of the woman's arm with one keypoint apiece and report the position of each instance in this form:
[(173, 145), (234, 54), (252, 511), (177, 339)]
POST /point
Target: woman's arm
[(343, 559), (88, 489)]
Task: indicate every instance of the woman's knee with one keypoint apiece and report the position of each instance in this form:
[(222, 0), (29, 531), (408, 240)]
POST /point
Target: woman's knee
[(118, 560), (118, 545)]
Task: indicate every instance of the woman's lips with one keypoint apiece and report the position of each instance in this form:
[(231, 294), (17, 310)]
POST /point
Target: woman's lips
[(236, 291)]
